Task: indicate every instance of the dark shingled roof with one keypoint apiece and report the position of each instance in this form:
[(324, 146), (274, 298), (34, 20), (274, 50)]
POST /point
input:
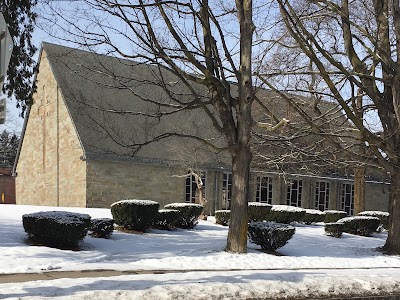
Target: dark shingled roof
[(95, 87)]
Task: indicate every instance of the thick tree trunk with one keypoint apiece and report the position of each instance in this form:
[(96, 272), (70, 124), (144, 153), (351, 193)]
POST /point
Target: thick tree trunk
[(237, 236), (392, 244), (359, 190)]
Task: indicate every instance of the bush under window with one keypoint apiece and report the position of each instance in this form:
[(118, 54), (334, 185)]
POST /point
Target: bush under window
[(60, 229), (313, 216), (332, 216), (258, 211), (360, 225), (334, 229), (134, 214), (190, 213), (286, 214), (222, 217), (383, 216), (102, 228), (167, 219), (270, 235)]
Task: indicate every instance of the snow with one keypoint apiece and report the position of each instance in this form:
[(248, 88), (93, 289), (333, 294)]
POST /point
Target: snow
[(136, 202), (314, 212), (259, 204), (172, 205), (350, 219), (61, 217), (373, 213), (195, 265), (285, 208)]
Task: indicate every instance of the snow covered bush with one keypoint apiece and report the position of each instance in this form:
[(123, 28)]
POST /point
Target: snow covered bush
[(167, 219), (286, 214), (334, 229), (332, 216), (313, 216), (258, 211), (60, 229), (135, 214), (101, 228), (222, 217), (270, 235), (360, 225), (383, 216), (190, 213)]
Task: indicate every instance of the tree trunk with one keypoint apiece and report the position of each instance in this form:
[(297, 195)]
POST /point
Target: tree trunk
[(392, 245), (237, 235), (359, 190)]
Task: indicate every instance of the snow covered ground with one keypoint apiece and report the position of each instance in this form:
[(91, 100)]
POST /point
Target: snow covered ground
[(312, 265)]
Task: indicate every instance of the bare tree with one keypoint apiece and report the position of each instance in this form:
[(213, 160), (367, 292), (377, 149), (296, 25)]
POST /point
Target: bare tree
[(349, 55), (207, 47)]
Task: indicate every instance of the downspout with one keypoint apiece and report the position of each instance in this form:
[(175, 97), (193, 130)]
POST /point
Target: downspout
[(215, 192)]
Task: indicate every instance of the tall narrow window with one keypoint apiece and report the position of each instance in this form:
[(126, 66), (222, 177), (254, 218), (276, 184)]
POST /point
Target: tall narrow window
[(322, 189), (264, 189), (294, 192), (348, 198), (227, 191), (191, 188)]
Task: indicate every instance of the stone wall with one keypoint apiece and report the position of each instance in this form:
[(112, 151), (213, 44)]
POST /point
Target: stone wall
[(111, 181), (50, 171)]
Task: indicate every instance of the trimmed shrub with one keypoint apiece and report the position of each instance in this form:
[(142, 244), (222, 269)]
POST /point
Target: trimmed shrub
[(360, 225), (258, 211), (334, 229), (332, 216), (190, 213), (270, 235), (313, 216), (222, 217), (383, 216), (60, 229), (286, 214), (167, 219), (136, 215), (102, 228)]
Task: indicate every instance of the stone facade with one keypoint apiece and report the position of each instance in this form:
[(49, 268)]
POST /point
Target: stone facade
[(49, 169)]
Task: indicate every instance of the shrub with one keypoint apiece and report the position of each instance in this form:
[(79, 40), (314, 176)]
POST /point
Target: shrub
[(190, 213), (360, 225), (286, 214), (332, 216), (334, 229), (135, 214), (258, 211), (60, 229), (167, 219), (383, 216), (313, 216), (102, 228), (222, 217), (270, 235)]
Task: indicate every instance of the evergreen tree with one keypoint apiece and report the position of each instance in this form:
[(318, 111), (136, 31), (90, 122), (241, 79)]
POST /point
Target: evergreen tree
[(8, 148), (20, 18)]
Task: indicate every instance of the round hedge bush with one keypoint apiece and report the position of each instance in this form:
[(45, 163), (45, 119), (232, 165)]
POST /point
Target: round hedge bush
[(190, 213), (286, 214), (332, 216), (334, 229), (383, 216), (60, 229), (360, 225), (222, 217), (258, 211), (313, 216), (167, 219), (135, 214), (102, 228), (270, 235)]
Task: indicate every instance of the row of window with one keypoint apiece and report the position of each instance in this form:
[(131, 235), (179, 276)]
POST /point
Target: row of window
[(293, 196)]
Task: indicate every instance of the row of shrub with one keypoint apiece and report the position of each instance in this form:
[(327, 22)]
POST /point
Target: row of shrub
[(359, 225), (282, 214)]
